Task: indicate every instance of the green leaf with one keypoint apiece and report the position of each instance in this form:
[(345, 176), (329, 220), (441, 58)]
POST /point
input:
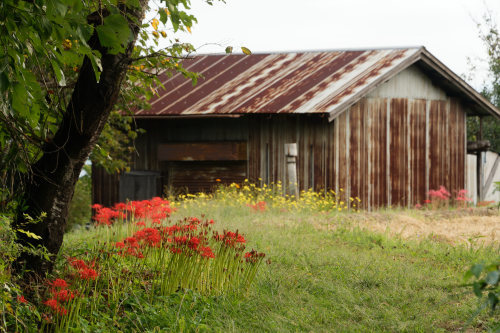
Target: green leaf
[(163, 16), (133, 3), (478, 289), (4, 82), (245, 50), (229, 49), (492, 278), (96, 65), (477, 269), (61, 80), (114, 33), (29, 234), (20, 100)]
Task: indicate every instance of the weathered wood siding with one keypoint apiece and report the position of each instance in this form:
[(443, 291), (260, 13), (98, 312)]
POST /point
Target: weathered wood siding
[(315, 140), (395, 150), (105, 187)]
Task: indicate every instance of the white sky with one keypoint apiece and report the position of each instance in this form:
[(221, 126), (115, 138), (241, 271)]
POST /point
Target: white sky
[(445, 27)]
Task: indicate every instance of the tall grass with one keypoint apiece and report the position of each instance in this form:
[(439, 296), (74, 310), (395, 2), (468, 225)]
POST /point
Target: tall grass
[(325, 274)]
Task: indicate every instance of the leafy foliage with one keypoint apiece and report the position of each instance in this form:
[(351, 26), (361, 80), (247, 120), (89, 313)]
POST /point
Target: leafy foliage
[(490, 35), (43, 46), (486, 285)]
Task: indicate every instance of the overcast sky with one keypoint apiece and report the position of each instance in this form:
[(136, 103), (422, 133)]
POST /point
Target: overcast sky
[(445, 27)]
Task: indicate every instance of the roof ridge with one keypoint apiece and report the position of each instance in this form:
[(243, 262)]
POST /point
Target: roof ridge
[(354, 49)]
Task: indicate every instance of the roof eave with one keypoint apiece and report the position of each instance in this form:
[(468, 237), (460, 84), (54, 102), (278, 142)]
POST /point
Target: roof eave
[(436, 65), (458, 82)]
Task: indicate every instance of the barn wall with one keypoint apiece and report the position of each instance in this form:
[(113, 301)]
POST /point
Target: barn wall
[(403, 139), (389, 149), (394, 150), (105, 187), (315, 140)]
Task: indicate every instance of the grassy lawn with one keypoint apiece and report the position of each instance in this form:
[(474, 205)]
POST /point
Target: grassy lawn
[(327, 274)]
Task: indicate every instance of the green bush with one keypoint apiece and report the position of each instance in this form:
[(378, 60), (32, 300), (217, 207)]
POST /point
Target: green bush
[(486, 286)]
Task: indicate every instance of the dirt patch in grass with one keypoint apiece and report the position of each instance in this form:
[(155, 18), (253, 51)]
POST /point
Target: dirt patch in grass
[(477, 226)]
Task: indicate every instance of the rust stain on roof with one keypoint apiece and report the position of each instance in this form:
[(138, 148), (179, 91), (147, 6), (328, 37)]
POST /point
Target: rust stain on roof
[(308, 82)]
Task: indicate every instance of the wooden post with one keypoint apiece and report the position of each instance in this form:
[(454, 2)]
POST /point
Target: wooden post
[(291, 168), (479, 163)]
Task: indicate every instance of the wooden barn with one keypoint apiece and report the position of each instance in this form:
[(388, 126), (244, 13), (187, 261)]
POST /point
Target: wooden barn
[(385, 125)]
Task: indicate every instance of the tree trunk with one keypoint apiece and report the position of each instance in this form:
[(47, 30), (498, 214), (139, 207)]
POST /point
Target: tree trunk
[(51, 186)]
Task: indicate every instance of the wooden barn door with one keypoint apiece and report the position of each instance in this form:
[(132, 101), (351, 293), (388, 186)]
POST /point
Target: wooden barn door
[(199, 167)]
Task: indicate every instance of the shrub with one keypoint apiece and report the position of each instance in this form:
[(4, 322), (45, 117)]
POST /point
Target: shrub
[(486, 286)]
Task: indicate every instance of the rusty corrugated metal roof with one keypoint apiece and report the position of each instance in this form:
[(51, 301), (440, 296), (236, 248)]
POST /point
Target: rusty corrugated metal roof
[(298, 82)]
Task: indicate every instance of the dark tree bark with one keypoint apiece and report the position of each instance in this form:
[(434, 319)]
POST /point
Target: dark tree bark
[(51, 185)]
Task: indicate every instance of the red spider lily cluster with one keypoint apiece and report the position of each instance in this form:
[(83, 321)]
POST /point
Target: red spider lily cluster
[(60, 296), (462, 198), (259, 206), (441, 194), (230, 238), (155, 253), (155, 210), (184, 250), (85, 271), (442, 197)]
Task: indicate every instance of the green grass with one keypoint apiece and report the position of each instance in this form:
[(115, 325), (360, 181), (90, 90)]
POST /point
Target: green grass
[(343, 280)]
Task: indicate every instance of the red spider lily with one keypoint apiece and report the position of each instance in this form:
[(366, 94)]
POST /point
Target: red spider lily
[(120, 206), (441, 194), (56, 307), (141, 224), (180, 240), (190, 227), (134, 252), (52, 303), (462, 196), (193, 220), (107, 215), (171, 230), (193, 243), (77, 263), (120, 245), (88, 274), (150, 236), (58, 283), (206, 252), (21, 299), (427, 201), (175, 250), (230, 238), (64, 295), (96, 206), (131, 242), (155, 209)]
